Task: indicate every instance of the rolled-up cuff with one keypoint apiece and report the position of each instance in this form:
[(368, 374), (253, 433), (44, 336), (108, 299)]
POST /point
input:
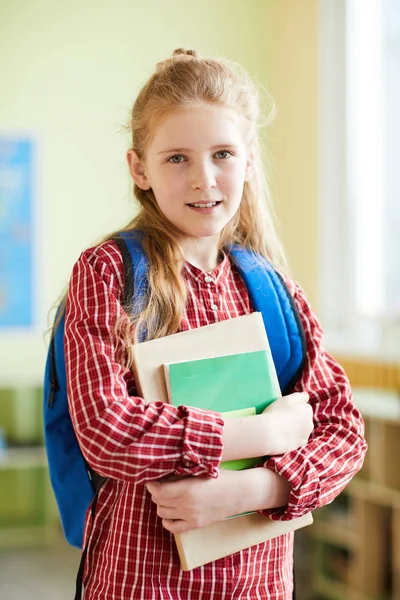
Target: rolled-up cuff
[(305, 487), (202, 443)]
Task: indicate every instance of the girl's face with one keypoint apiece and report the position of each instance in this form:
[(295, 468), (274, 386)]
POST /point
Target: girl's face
[(196, 164)]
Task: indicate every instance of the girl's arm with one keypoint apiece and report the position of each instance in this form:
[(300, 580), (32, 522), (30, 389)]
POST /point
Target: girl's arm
[(320, 470), (120, 435), (195, 501)]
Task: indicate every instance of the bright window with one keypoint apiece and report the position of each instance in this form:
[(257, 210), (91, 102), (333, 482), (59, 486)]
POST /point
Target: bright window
[(360, 173)]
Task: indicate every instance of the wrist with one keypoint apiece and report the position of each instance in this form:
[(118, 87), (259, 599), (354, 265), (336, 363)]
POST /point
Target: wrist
[(246, 438), (270, 429), (264, 489)]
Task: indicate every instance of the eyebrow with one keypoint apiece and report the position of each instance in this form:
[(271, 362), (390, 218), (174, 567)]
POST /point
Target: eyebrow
[(177, 150)]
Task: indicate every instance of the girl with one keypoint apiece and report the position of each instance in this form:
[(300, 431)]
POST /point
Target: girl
[(198, 179)]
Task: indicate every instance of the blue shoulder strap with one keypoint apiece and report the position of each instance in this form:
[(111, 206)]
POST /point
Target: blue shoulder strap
[(136, 266), (268, 294)]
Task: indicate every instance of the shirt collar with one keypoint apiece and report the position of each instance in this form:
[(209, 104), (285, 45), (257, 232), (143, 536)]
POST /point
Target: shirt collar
[(218, 275)]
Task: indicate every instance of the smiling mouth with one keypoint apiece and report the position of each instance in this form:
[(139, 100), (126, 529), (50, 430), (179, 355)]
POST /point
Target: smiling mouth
[(204, 205)]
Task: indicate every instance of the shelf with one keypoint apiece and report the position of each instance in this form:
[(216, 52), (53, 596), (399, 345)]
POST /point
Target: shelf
[(378, 404), (23, 458), (374, 492), (379, 373), (336, 591), (336, 534), (365, 523)]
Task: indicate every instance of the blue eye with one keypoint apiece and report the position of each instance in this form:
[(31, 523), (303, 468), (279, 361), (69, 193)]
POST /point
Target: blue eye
[(225, 153), (176, 159)]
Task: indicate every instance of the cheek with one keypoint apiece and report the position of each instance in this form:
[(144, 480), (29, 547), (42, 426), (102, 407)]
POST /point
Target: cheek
[(171, 180), (167, 185), (232, 180)]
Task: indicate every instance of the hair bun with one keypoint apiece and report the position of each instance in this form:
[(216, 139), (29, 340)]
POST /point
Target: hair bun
[(178, 55), (183, 51)]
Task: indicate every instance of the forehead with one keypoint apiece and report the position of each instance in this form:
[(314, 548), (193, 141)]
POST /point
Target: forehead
[(197, 128)]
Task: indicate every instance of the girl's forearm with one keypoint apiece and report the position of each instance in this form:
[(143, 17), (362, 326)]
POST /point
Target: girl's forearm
[(259, 489), (245, 438)]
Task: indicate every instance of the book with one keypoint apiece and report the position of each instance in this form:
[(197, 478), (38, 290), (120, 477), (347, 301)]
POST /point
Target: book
[(224, 383), (239, 335), (235, 385), (214, 541)]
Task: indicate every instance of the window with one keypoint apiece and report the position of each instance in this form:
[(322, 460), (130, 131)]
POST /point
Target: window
[(360, 168)]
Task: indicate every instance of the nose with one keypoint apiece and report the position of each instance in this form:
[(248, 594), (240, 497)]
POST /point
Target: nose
[(203, 177)]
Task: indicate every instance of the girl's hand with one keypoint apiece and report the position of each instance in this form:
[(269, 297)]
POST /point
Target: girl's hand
[(289, 424), (193, 502), (284, 426)]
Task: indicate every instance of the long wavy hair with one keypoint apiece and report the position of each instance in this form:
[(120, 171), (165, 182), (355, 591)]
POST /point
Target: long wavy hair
[(185, 80)]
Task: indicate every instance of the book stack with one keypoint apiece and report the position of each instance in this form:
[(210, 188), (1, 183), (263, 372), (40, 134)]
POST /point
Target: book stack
[(226, 367)]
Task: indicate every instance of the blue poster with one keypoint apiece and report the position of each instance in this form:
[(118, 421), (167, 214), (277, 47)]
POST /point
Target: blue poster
[(16, 233)]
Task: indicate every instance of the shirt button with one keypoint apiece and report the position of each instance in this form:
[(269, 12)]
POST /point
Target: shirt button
[(208, 279), (214, 307)]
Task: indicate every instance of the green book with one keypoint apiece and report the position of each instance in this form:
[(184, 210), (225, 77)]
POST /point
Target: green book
[(236, 385)]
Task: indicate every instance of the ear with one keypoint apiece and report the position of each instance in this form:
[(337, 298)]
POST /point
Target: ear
[(137, 170), (250, 163)]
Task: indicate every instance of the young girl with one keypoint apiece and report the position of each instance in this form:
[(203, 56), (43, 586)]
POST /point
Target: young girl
[(198, 179)]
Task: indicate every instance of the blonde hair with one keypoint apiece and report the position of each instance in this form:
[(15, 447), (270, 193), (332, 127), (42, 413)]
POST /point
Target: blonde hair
[(185, 80)]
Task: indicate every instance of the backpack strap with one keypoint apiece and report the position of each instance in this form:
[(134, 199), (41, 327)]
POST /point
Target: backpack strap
[(81, 569), (136, 266), (270, 295)]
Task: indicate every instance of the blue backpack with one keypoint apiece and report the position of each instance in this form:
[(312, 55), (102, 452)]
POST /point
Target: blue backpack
[(74, 483)]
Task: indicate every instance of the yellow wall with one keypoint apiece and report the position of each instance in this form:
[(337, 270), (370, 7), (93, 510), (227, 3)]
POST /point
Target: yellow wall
[(69, 72), (292, 77)]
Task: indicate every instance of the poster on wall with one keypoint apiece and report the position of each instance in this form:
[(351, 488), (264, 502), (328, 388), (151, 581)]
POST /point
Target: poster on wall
[(16, 233)]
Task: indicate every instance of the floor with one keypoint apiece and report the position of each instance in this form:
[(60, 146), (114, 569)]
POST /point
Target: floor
[(39, 574), (49, 573)]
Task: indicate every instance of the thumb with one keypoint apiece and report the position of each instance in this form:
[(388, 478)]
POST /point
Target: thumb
[(300, 397)]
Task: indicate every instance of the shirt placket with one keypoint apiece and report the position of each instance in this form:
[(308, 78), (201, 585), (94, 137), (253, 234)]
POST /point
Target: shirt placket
[(213, 296)]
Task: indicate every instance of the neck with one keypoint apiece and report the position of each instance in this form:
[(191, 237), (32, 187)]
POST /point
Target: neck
[(202, 252)]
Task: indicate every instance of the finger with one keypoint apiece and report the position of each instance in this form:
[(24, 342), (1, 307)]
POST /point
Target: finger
[(157, 492), (173, 491), (162, 496), (167, 512), (176, 526), (153, 487)]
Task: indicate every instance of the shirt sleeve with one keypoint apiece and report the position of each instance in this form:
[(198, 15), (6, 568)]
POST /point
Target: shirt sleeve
[(121, 436), (320, 470)]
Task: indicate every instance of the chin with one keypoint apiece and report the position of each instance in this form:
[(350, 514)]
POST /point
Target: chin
[(204, 232)]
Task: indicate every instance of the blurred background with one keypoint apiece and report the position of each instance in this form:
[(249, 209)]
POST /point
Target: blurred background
[(69, 74)]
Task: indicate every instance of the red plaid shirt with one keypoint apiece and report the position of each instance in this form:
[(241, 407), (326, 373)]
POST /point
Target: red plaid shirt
[(130, 554)]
